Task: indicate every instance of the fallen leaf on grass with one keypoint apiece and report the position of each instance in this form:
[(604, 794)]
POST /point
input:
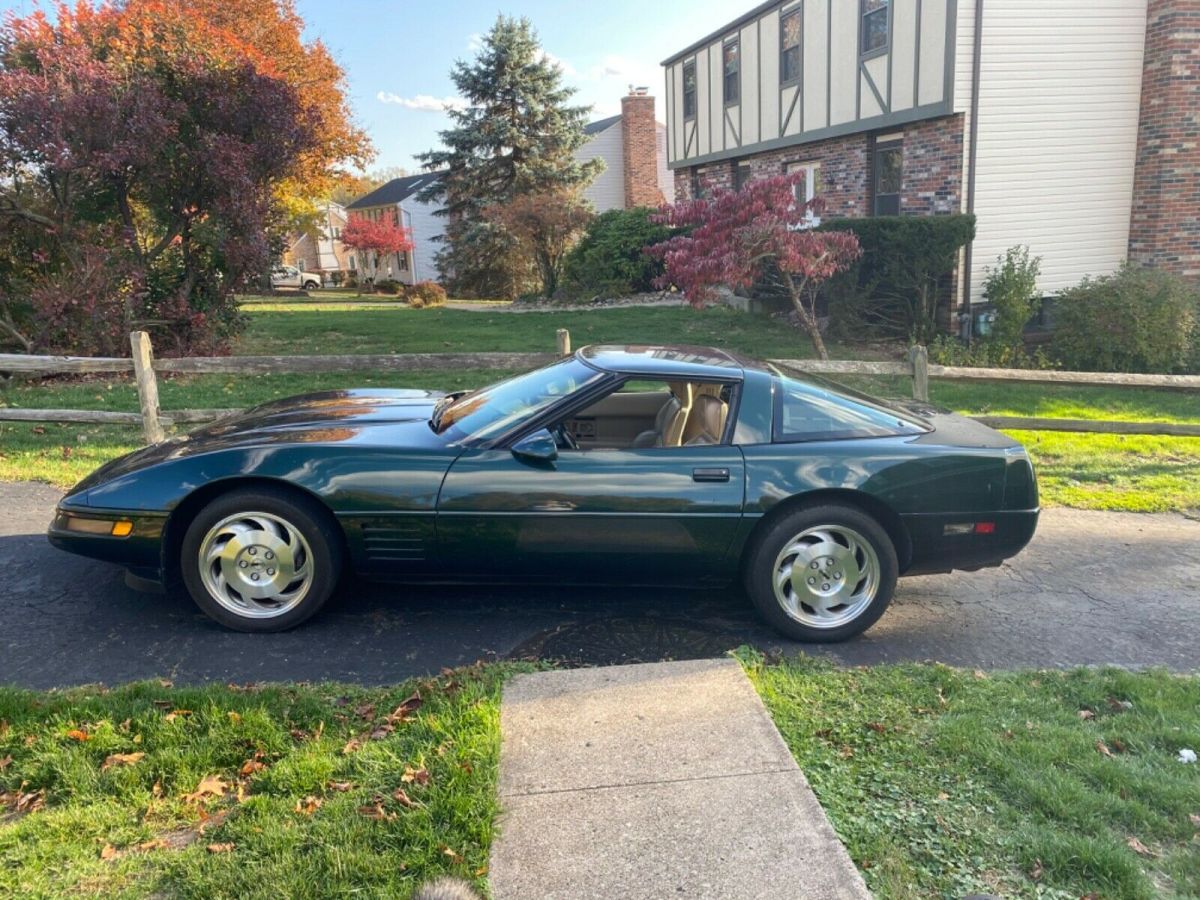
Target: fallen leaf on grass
[(234, 718), (846, 751), (1139, 848), (406, 709), (420, 776), (109, 852), (1102, 748), (453, 854), (78, 734), (5, 763), (375, 810), (219, 848), (177, 713), (340, 786), (250, 766), (877, 727), (980, 675), (1119, 705), (121, 759), (351, 747), (210, 786), (403, 799), (942, 795), (1036, 872), (1086, 715), (1119, 745), (1194, 819), (308, 805), (366, 711)]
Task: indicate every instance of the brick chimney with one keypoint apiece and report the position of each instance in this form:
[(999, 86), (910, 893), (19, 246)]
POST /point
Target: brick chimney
[(1164, 229), (639, 149)]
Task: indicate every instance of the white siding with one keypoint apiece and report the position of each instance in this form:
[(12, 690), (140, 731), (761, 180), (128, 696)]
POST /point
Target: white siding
[(750, 63), (608, 190), (666, 178), (426, 227), (1058, 111)]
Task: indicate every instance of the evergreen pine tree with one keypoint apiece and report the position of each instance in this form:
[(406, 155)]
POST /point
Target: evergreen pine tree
[(517, 136)]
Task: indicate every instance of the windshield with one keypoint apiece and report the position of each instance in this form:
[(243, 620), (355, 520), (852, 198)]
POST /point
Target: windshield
[(492, 411)]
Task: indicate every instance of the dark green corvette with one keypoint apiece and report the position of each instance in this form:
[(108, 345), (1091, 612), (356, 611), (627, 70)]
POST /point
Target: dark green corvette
[(630, 465)]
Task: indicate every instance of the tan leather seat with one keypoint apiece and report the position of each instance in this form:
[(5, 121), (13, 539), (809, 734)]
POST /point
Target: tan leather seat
[(670, 421), (706, 422)]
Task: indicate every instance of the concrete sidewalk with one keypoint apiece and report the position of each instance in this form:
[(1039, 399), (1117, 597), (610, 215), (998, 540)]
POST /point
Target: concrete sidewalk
[(655, 781)]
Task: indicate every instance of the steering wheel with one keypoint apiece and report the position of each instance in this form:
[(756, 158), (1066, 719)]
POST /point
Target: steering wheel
[(563, 437)]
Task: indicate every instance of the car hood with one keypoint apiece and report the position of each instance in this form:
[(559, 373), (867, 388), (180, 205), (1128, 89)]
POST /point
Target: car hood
[(399, 418)]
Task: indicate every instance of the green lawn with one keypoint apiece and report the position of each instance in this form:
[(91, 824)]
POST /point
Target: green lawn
[(944, 782), (1090, 471), (97, 788)]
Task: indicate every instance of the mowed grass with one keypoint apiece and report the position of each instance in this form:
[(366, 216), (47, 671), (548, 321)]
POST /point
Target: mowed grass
[(1133, 473), (944, 782), (102, 792)]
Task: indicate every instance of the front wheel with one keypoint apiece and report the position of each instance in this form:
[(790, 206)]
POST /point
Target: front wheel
[(822, 573), (261, 560), (311, 285)]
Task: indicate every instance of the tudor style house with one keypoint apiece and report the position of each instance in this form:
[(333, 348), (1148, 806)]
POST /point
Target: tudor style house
[(321, 250), (1071, 127)]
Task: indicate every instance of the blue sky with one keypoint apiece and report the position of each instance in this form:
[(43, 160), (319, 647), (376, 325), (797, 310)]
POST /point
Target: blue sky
[(397, 53), (402, 50)]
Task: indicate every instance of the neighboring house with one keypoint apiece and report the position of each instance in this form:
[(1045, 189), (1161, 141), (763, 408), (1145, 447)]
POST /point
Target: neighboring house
[(321, 250), (633, 146), (1073, 128), (398, 199)]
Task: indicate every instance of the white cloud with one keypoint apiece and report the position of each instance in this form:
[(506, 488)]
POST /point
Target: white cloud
[(423, 102), (565, 67), (619, 73)]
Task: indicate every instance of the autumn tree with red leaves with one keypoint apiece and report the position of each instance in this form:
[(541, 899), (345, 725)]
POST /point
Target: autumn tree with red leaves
[(380, 237), (734, 237), (144, 148), (544, 226)]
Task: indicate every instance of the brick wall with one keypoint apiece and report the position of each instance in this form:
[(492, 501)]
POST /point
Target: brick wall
[(639, 151), (932, 171), (1164, 228)]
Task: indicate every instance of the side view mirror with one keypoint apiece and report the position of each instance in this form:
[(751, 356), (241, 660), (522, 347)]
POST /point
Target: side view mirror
[(538, 448)]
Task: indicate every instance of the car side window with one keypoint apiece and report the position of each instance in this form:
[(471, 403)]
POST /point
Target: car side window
[(647, 414), (810, 411)]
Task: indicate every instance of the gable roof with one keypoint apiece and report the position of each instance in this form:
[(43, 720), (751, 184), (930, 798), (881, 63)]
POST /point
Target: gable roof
[(601, 125), (396, 190)]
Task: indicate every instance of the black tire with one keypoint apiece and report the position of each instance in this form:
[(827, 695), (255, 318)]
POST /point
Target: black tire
[(762, 554), (311, 285), (308, 517)]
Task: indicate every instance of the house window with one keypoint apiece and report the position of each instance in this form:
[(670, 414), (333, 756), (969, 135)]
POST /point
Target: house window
[(808, 185), (689, 90), (697, 185), (741, 175), (733, 72), (874, 35), (789, 54), (888, 170)]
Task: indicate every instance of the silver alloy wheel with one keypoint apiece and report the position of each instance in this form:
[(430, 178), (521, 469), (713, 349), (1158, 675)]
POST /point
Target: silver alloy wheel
[(826, 576), (256, 565)]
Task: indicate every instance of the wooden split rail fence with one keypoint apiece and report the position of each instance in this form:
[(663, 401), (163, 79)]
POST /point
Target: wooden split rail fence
[(917, 367)]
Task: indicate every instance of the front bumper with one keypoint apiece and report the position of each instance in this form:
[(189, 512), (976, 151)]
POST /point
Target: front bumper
[(935, 551), (81, 530)]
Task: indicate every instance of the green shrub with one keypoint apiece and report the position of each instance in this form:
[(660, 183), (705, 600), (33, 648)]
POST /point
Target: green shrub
[(902, 281), (389, 287), (424, 294), (1136, 320), (336, 278), (1011, 287), (351, 280), (949, 350), (611, 257)]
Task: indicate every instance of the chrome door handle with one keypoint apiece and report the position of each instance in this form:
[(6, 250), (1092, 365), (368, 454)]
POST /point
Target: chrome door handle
[(710, 474)]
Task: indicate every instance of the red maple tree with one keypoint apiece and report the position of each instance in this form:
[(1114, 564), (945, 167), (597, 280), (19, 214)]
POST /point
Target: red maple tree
[(382, 237), (734, 237)]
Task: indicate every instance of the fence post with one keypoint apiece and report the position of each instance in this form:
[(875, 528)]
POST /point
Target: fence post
[(563, 338), (919, 357), (147, 385)]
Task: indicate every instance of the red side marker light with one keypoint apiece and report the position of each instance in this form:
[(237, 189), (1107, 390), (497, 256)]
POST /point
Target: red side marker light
[(985, 527)]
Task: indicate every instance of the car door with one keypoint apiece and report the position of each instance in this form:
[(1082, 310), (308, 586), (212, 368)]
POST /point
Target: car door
[(604, 515)]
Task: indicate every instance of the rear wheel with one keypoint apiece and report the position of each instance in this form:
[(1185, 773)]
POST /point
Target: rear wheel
[(822, 573), (261, 560)]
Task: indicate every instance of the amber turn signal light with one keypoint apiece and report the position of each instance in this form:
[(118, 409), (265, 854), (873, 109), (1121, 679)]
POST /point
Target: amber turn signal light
[(124, 528)]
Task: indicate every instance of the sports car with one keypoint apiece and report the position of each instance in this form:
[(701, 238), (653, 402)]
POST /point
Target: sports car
[(634, 465)]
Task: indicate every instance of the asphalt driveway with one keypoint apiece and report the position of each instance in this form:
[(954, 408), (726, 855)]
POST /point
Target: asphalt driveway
[(1092, 588)]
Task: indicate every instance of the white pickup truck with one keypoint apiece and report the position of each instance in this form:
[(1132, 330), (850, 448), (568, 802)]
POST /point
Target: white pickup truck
[(291, 277)]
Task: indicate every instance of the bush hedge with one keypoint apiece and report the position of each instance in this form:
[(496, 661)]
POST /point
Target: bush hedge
[(611, 258), (1136, 320), (902, 280), (424, 294), (389, 287)]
